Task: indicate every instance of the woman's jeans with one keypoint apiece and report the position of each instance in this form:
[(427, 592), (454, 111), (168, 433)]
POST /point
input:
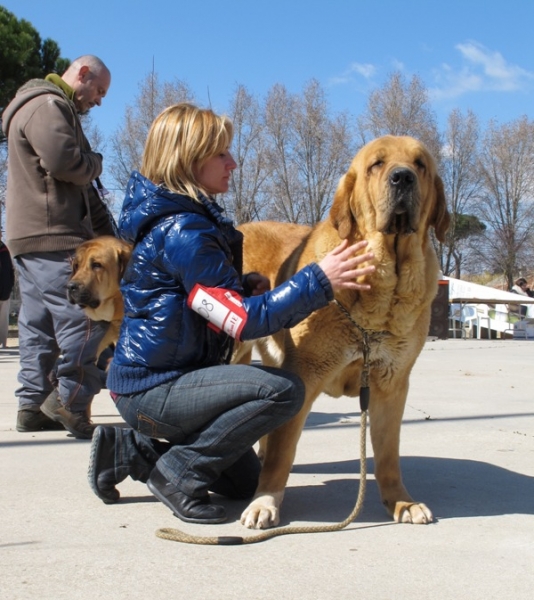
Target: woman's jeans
[(211, 418)]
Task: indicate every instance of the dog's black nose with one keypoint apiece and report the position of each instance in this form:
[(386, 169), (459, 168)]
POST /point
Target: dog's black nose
[(72, 286), (401, 178)]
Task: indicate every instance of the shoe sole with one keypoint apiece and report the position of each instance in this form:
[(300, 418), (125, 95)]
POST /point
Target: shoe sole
[(60, 419), (163, 499), (35, 430), (51, 425), (91, 472)]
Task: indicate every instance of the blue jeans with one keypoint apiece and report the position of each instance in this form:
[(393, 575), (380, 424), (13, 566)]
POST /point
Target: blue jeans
[(211, 418)]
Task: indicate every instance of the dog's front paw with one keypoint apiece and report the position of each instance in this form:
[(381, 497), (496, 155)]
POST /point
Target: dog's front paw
[(416, 513), (263, 512)]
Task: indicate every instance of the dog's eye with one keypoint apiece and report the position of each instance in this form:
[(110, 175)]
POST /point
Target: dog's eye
[(74, 267), (376, 165), (420, 164), (96, 265)]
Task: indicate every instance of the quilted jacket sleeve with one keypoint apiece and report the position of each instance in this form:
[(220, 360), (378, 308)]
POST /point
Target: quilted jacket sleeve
[(285, 306), (288, 304)]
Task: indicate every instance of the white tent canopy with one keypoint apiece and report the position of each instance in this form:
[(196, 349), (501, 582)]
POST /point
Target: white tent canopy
[(494, 314), (466, 289)]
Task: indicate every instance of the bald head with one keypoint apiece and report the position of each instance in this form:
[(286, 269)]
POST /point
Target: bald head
[(90, 79)]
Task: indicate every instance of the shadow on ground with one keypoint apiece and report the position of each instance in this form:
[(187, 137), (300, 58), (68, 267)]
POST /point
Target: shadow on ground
[(451, 488)]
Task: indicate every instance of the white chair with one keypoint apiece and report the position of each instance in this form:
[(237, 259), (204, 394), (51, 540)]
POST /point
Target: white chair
[(455, 321), (473, 316)]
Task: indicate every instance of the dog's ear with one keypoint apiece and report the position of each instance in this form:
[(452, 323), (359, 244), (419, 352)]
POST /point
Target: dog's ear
[(440, 218), (74, 264), (340, 213), (77, 259), (123, 256)]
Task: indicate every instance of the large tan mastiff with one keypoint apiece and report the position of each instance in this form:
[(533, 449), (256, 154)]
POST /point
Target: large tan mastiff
[(391, 196)]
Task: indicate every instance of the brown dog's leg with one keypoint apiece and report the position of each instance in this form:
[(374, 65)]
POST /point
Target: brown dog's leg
[(280, 448)]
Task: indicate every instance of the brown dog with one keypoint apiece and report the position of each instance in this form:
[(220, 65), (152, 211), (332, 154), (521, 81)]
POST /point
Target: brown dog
[(97, 269), (390, 196)]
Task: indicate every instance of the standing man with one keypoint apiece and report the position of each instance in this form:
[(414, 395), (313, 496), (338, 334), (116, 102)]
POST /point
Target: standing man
[(52, 207)]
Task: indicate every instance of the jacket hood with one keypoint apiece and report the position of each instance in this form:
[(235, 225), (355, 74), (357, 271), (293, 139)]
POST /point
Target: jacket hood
[(30, 90), (145, 203)]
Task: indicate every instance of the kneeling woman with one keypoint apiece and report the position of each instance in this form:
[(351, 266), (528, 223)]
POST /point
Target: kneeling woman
[(195, 418)]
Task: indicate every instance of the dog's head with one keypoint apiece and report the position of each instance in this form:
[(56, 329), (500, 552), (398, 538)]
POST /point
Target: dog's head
[(391, 187), (97, 268)]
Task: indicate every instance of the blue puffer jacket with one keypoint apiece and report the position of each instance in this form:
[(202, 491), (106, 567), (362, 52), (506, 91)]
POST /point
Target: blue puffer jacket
[(179, 243)]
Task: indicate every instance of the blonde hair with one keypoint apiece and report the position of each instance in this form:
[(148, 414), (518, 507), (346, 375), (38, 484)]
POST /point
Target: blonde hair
[(181, 139)]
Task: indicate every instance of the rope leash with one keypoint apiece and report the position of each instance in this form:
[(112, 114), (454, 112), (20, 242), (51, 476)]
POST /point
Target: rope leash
[(177, 535)]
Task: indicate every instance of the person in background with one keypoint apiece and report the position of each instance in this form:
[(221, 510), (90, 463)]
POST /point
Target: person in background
[(194, 417), (7, 281), (51, 207), (521, 287)]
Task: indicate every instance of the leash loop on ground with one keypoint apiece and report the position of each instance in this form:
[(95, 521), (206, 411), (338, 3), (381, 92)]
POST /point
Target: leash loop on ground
[(176, 535)]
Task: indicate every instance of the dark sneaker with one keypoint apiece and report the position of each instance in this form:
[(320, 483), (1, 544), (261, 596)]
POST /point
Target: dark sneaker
[(78, 423), (30, 420), (191, 510), (101, 474)]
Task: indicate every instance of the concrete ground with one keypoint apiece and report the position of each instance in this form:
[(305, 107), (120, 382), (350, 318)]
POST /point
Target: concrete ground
[(467, 451)]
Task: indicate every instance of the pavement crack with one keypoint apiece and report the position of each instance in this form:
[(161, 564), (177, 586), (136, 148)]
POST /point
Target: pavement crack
[(419, 410)]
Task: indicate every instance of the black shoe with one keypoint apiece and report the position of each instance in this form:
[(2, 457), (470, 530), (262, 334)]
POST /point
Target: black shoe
[(191, 510), (30, 420), (102, 473)]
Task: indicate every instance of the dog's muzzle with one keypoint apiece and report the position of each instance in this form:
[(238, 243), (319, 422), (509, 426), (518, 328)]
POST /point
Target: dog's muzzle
[(403, 193), (80, 295)]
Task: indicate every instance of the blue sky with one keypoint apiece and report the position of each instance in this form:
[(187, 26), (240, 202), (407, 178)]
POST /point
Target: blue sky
[(469, 54)]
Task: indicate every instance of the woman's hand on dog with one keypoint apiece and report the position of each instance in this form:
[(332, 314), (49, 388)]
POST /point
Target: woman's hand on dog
[(340, 266)]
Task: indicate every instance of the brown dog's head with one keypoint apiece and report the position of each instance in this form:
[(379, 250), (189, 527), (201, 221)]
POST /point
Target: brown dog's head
[(392, 187), (97, 268)]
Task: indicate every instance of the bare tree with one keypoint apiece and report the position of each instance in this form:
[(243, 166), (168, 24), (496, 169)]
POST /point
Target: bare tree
[(244, 200), (98, 143), (93, 134), (308, 152), (285, 197), (323, 150), (462, 182), (128, 140), (401, 108), (506, 205)]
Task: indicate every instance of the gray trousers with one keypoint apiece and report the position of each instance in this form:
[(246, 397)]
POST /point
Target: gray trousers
[(50, 328)]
